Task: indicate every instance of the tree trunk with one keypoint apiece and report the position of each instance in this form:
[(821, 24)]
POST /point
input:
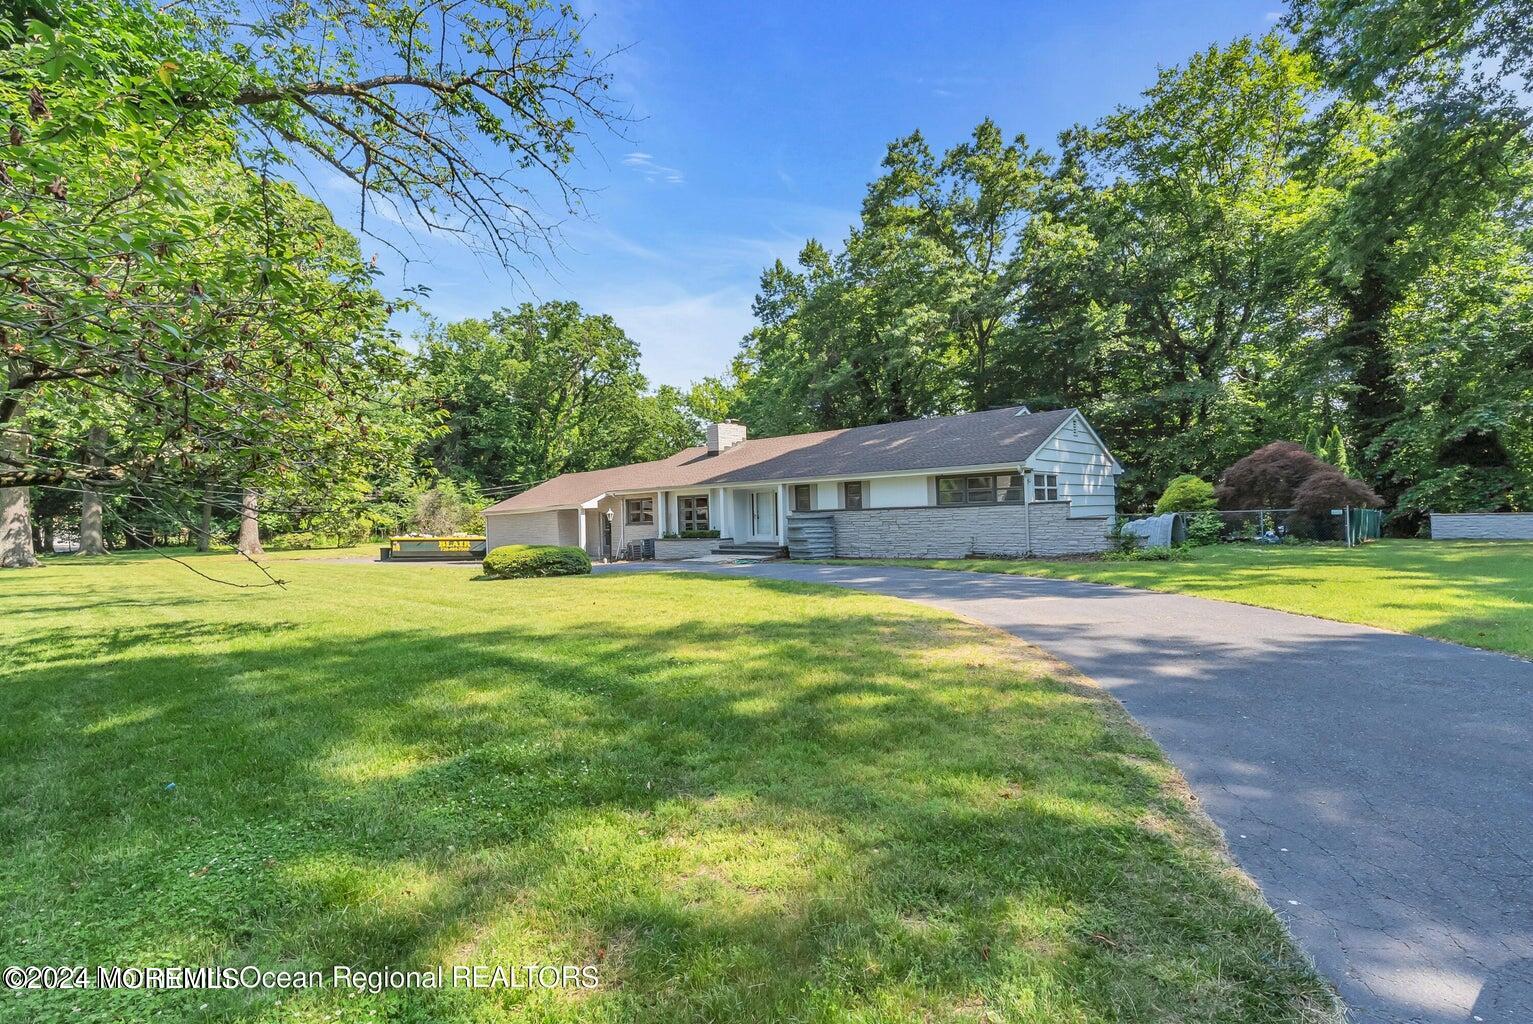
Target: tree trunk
[(91, 540), (205, 530), (250, 525), (1378, 401), (16, 550)]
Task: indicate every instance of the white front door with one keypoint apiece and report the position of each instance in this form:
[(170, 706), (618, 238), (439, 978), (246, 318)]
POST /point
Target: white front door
[(764, 515)]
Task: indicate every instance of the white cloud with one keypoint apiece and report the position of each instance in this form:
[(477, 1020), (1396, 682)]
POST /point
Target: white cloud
[(645, 164), (687, 336)]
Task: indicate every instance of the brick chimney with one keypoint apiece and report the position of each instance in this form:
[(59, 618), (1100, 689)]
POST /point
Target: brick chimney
[(724, 435)]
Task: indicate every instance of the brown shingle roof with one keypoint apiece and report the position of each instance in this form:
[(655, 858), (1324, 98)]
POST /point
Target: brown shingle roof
[(994, 437)]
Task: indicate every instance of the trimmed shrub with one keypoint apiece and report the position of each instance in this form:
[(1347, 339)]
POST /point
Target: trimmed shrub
[(1284, 475), (692, 535), (524, 561), (1268, 477), (1329, 489), (1187, 493)]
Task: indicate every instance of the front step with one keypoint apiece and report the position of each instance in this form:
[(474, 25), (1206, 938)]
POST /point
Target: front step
[(761, 549)]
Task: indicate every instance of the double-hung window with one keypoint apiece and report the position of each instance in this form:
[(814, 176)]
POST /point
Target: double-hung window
[(641, 511), (851, 494), (692, 510), (1045, 487), (980, 489), (802, 497)]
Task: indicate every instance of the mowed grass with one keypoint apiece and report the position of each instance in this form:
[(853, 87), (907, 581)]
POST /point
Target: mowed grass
[(741, 800), (1478, 593)]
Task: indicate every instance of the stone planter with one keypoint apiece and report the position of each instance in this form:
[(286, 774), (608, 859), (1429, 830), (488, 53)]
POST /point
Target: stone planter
[(674, 550)]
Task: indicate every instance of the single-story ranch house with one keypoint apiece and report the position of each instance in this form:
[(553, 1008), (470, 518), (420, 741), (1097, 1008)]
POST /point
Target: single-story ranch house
[(1001, 482)]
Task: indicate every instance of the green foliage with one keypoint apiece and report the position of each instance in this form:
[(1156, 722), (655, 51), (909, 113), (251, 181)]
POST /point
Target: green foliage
[(541, 390), (1186, 493), (1238, 258), (307, 541), (1424, 45), (909, 317), (522, 561), (1141, 554), (1123, 543), (448, 508), (157, 276), (445, 114), (1204, 528), (692, 535)]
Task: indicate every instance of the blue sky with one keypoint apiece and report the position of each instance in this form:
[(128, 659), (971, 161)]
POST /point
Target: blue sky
[(759, 125)]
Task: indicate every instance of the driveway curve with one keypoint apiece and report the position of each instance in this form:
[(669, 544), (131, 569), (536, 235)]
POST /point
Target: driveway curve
[(1379, 787)]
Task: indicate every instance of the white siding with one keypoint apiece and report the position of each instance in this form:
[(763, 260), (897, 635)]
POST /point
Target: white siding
[(827, 495), (740, 512), (897, 492), (1084, 468)]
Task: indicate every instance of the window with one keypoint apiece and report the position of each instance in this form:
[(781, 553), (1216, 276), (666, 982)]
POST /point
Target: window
[(1045, 487), (852, 493), (802, 500), (984, 489), (692, 509), (641, 511)]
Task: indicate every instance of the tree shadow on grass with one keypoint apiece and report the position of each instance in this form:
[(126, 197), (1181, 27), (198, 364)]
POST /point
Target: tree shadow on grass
[(824, 812)]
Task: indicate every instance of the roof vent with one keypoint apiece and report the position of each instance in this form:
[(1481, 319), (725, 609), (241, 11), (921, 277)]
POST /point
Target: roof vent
[(1023, 410), (724, 435)]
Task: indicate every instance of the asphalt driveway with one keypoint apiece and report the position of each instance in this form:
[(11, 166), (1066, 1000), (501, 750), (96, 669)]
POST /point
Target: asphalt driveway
[(1379, 787)]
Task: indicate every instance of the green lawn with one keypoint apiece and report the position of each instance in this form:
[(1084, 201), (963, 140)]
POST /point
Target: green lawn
[(741, 800), (1471, 592)]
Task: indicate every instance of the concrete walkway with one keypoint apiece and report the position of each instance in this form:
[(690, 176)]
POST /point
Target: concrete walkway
[(1379, 787)]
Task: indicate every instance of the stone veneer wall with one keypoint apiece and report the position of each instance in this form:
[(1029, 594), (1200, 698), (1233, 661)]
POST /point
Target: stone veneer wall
[(692, 547), (1483, 526), (946, 531)]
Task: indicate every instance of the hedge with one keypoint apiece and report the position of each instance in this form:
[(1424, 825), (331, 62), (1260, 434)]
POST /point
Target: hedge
[(521, 561)]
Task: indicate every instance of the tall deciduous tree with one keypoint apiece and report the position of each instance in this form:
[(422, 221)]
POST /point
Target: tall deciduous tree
[(16, 547), (117, 254), (1456, 151), (1188, 207), (92, 538), (536, 391), (964, 215), (1245, 256)]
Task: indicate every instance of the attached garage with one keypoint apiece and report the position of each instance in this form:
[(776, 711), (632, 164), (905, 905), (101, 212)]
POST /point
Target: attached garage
[(553, 526)]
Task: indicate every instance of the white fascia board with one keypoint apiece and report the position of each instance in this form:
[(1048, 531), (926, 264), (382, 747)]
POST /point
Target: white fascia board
[(529, 511), (993, 467), (705, 487)]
